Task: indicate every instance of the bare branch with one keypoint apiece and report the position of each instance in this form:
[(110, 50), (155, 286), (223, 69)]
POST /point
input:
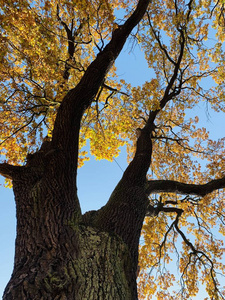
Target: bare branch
[(161, 46), (114, 90), (199, 256), (18, 129)]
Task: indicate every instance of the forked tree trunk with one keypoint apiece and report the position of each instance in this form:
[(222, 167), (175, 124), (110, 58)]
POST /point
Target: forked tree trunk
[(63, 255)]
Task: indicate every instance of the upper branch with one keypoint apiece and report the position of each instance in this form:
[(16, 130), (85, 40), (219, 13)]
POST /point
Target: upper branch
[(170, 93), (69, 33), (157, 37), (172, 89), (171, 186), (78, 99)]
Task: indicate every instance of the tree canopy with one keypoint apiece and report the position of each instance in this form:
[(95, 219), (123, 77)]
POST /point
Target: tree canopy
[(46, 50)]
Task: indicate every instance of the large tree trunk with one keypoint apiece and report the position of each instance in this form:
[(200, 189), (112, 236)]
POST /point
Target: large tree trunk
[(59, 255)]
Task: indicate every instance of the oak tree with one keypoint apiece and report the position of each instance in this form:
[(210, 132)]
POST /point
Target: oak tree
[(59, 88)]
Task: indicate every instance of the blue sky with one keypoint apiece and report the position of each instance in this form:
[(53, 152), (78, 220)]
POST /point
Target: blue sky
[(97, 179)]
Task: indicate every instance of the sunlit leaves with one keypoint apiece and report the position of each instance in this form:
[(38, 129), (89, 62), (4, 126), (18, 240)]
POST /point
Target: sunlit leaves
[(35, 58)]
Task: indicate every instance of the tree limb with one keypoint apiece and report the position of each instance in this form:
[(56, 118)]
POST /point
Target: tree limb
[(8, 170), (171, 186)]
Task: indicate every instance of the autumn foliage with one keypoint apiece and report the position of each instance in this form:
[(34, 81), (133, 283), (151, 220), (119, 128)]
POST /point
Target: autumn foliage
[(47, 47)]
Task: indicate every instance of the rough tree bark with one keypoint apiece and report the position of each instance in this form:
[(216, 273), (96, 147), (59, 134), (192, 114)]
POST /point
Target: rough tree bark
[(60, 253)]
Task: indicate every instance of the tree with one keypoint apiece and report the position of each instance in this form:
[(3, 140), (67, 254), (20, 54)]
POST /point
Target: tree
[(58, 76)]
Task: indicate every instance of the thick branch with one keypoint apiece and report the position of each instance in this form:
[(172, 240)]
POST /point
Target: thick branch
[(170, 186), (138, 167), (8, 170)]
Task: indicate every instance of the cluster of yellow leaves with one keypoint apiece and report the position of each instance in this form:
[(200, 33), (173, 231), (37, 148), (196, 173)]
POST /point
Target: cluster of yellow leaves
[(34, 56)]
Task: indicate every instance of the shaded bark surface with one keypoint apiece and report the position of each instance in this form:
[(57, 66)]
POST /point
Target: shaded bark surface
[(58, 255), (62, 255)]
